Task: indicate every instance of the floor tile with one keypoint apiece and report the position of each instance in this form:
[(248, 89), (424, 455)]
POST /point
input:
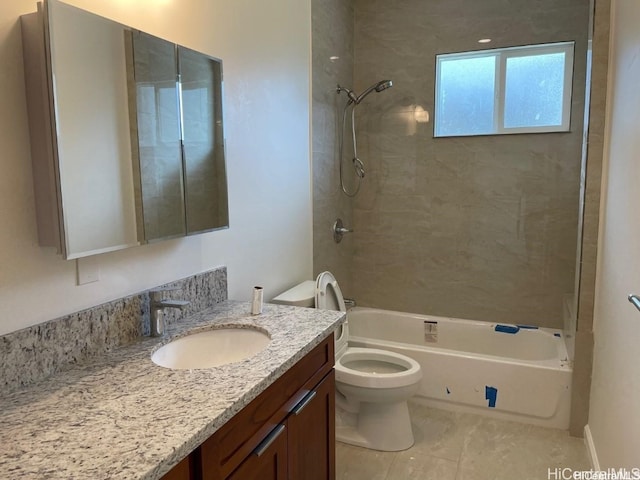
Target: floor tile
[(438, 432), (355, 463), (464, 446), (418, 464), (501, 450)]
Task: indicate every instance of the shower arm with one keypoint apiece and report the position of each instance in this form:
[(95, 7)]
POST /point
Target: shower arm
[(360, 97), (350, 94)]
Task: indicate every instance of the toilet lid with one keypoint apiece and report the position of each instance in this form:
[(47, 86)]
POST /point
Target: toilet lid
[(328, 293), (329, 297)]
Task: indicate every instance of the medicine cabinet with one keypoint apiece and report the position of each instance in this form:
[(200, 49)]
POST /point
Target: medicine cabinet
[(126, 131)]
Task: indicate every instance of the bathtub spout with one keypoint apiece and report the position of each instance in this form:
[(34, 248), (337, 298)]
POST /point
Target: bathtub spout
[(349, 303)]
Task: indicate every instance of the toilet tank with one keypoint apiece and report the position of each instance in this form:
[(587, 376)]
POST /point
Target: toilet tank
[(302, 295)]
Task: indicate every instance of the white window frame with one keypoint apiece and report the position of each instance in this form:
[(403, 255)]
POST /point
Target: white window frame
[(501, 55)]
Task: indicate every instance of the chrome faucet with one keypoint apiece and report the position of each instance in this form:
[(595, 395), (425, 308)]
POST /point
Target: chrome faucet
[(157, 306)]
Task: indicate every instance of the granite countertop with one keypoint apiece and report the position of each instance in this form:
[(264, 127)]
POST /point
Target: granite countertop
[(122, 416)]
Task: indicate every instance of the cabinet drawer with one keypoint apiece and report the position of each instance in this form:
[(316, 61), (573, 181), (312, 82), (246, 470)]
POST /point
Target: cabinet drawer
[(230, 445)]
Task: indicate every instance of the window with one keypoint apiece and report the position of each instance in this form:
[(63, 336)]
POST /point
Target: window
[(506, 90)]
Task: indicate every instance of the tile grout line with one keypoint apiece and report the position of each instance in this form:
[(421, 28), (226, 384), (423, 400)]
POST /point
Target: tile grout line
[(395, 458), (457, 477)]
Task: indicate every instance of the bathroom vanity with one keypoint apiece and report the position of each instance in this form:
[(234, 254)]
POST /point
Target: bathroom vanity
[(286, 432), (122, 416)]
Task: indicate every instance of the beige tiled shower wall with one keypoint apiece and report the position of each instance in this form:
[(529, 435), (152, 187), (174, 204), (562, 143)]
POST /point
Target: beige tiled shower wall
[(332, 42), (471, 227)]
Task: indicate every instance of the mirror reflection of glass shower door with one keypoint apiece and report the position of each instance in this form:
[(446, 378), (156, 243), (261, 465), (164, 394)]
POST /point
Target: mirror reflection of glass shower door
[(159, 185), (204, 163)]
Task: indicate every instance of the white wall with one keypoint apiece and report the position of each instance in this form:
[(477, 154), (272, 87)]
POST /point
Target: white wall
[(614, 417), (265, 47)]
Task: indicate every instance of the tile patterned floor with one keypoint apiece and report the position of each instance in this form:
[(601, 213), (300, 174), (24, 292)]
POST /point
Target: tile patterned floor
[(461, 446)]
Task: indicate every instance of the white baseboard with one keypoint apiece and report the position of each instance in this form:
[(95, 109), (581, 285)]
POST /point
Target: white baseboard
[(591, 448)]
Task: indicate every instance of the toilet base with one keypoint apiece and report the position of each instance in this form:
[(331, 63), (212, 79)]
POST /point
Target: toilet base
[(378, 426)]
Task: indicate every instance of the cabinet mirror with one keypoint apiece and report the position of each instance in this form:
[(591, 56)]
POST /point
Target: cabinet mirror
[(126, 132)]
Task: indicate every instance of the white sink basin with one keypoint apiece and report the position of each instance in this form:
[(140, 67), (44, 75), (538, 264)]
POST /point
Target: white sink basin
[(211, 348)]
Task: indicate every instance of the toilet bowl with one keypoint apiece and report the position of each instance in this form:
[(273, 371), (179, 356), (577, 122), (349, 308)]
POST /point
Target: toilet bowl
[(372, 385)]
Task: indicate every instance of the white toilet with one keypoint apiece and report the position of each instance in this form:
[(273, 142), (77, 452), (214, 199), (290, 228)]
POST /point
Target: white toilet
[(372, 385)]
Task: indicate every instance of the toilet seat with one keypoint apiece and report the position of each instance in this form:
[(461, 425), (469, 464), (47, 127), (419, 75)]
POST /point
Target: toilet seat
[(402, 371)]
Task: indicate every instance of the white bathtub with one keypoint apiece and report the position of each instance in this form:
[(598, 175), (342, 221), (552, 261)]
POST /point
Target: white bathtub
[(523, 374)]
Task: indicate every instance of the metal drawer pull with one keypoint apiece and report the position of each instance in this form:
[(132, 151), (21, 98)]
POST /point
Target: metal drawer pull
[(635, 300), (304, 402), (266, 443)]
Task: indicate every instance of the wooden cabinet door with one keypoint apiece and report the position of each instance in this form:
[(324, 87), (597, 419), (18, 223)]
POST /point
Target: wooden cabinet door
[(268, 461), (185, 470), (312, 435), (228, 448)]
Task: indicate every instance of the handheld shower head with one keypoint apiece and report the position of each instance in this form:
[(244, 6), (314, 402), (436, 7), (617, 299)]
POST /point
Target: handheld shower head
[(353, 98), (378, 87), (383, 85)]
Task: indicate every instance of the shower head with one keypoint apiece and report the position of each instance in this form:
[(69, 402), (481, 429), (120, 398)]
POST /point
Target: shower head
[(383, 85), (378, 87)]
